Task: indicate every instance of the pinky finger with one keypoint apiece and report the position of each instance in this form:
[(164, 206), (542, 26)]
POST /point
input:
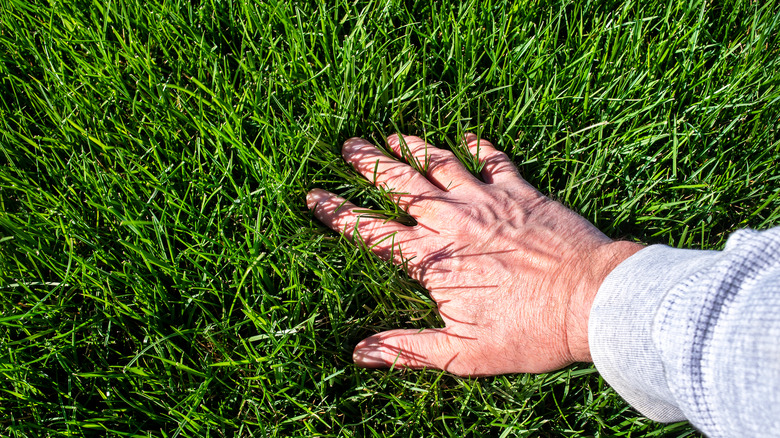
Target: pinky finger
[(498, 168)]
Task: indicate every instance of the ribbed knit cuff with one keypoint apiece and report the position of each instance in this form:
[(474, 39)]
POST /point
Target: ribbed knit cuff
[(620, 326)]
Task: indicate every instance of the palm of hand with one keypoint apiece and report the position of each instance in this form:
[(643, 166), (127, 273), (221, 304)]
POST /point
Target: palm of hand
[(512, 272)]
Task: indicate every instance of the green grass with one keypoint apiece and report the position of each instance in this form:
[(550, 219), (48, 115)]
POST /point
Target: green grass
[(159, 272)]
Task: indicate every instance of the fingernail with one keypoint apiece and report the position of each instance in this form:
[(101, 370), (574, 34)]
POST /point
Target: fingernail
[(393, 139), (369, 358), (353, 141), (314, 197), (353, 144)]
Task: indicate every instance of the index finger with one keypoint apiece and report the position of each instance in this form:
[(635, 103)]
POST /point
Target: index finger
[(388, 239)]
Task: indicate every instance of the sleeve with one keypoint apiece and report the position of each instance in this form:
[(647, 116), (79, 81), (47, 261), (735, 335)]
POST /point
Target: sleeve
[(695, 335)]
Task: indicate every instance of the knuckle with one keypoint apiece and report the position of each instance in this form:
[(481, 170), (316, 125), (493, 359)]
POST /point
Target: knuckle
[(441, 159), (500, 155), (465, 214), (479, 143)]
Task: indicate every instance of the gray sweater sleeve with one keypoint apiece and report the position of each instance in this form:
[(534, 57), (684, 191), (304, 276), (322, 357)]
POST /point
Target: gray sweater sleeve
[(695, 335)]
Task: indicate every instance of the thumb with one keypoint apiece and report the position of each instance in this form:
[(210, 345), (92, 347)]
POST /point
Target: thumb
[(417, 349)]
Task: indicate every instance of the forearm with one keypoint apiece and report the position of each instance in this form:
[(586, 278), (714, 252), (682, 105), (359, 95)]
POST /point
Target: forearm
[(683, 334)]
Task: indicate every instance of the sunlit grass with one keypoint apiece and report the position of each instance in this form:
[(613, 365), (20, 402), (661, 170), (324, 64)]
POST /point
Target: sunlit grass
[(161, 276)]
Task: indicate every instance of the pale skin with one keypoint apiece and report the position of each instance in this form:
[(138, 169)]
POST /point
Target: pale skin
[(512, 272)]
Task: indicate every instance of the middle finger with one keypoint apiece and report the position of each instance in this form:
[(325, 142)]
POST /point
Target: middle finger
[(406, 186)]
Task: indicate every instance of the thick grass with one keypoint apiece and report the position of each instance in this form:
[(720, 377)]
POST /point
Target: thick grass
[(159, 272)]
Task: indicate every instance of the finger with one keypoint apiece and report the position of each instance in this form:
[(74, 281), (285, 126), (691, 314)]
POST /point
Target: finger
[(407, 186), (441, 166), (416, 349), (388, 239), (498, 167)]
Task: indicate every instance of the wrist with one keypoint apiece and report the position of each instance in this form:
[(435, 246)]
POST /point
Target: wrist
[(597, 266)]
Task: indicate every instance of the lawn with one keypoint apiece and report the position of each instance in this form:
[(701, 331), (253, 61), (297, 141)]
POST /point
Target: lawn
[(160, 274)]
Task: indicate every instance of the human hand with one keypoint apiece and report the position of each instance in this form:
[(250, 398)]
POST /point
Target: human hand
[(513, 273)]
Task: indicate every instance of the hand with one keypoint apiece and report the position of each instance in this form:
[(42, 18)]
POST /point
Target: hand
[(512, 272)]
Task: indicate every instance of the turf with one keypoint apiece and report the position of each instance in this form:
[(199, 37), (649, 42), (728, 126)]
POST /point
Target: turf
[(161, 276)]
